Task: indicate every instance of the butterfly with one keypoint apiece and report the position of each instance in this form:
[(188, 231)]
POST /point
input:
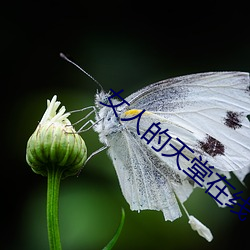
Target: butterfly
[(206, 111)]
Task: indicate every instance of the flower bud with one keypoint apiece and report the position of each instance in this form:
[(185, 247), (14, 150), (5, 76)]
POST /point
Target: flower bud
[(55, 144)]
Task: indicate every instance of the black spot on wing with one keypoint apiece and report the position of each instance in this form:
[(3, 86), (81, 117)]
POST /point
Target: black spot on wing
[(248, 117), (212, 146), (248, 89), (233, 119)]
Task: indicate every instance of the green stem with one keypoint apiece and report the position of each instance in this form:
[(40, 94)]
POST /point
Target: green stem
[(54, 177)]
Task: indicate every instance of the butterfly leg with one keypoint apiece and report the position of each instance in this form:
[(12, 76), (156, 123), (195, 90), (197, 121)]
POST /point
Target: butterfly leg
[(86, 116), (96, 152), (91, 155), (81, 129)]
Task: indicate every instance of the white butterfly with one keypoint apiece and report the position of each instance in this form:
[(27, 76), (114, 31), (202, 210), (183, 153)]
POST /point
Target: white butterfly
[(208, 112)]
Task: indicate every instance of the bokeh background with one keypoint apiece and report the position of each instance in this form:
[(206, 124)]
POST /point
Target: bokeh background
[(124, 45)]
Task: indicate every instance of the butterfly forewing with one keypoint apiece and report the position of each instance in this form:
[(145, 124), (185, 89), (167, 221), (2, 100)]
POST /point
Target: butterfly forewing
[(213, 106)]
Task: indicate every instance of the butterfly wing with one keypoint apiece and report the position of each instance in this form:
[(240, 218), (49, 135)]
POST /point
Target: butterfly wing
[(147, 182), (212, 106)]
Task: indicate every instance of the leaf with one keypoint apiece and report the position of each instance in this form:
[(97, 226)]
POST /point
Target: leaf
[(117, 234)]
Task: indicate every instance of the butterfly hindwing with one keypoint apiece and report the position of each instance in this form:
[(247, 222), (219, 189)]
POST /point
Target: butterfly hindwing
[(145, 180)]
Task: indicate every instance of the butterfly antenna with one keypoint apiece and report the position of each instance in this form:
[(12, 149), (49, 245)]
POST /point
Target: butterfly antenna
[(90, 76)]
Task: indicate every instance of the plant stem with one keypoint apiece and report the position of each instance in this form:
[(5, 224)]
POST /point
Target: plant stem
[(54, 177)]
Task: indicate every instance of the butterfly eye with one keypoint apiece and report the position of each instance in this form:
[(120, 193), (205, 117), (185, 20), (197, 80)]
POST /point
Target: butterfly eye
[(106, 101)]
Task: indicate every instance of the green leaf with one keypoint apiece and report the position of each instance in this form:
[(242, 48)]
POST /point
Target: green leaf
[(117, 234)]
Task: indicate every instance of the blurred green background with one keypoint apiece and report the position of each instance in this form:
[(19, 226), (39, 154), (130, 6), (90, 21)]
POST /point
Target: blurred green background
[(124, 46)]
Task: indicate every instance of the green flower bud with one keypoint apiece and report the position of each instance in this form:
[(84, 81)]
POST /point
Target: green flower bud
[(55, 144)]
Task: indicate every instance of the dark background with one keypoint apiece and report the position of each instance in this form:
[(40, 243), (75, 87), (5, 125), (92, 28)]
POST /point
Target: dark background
[(123, 44)]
